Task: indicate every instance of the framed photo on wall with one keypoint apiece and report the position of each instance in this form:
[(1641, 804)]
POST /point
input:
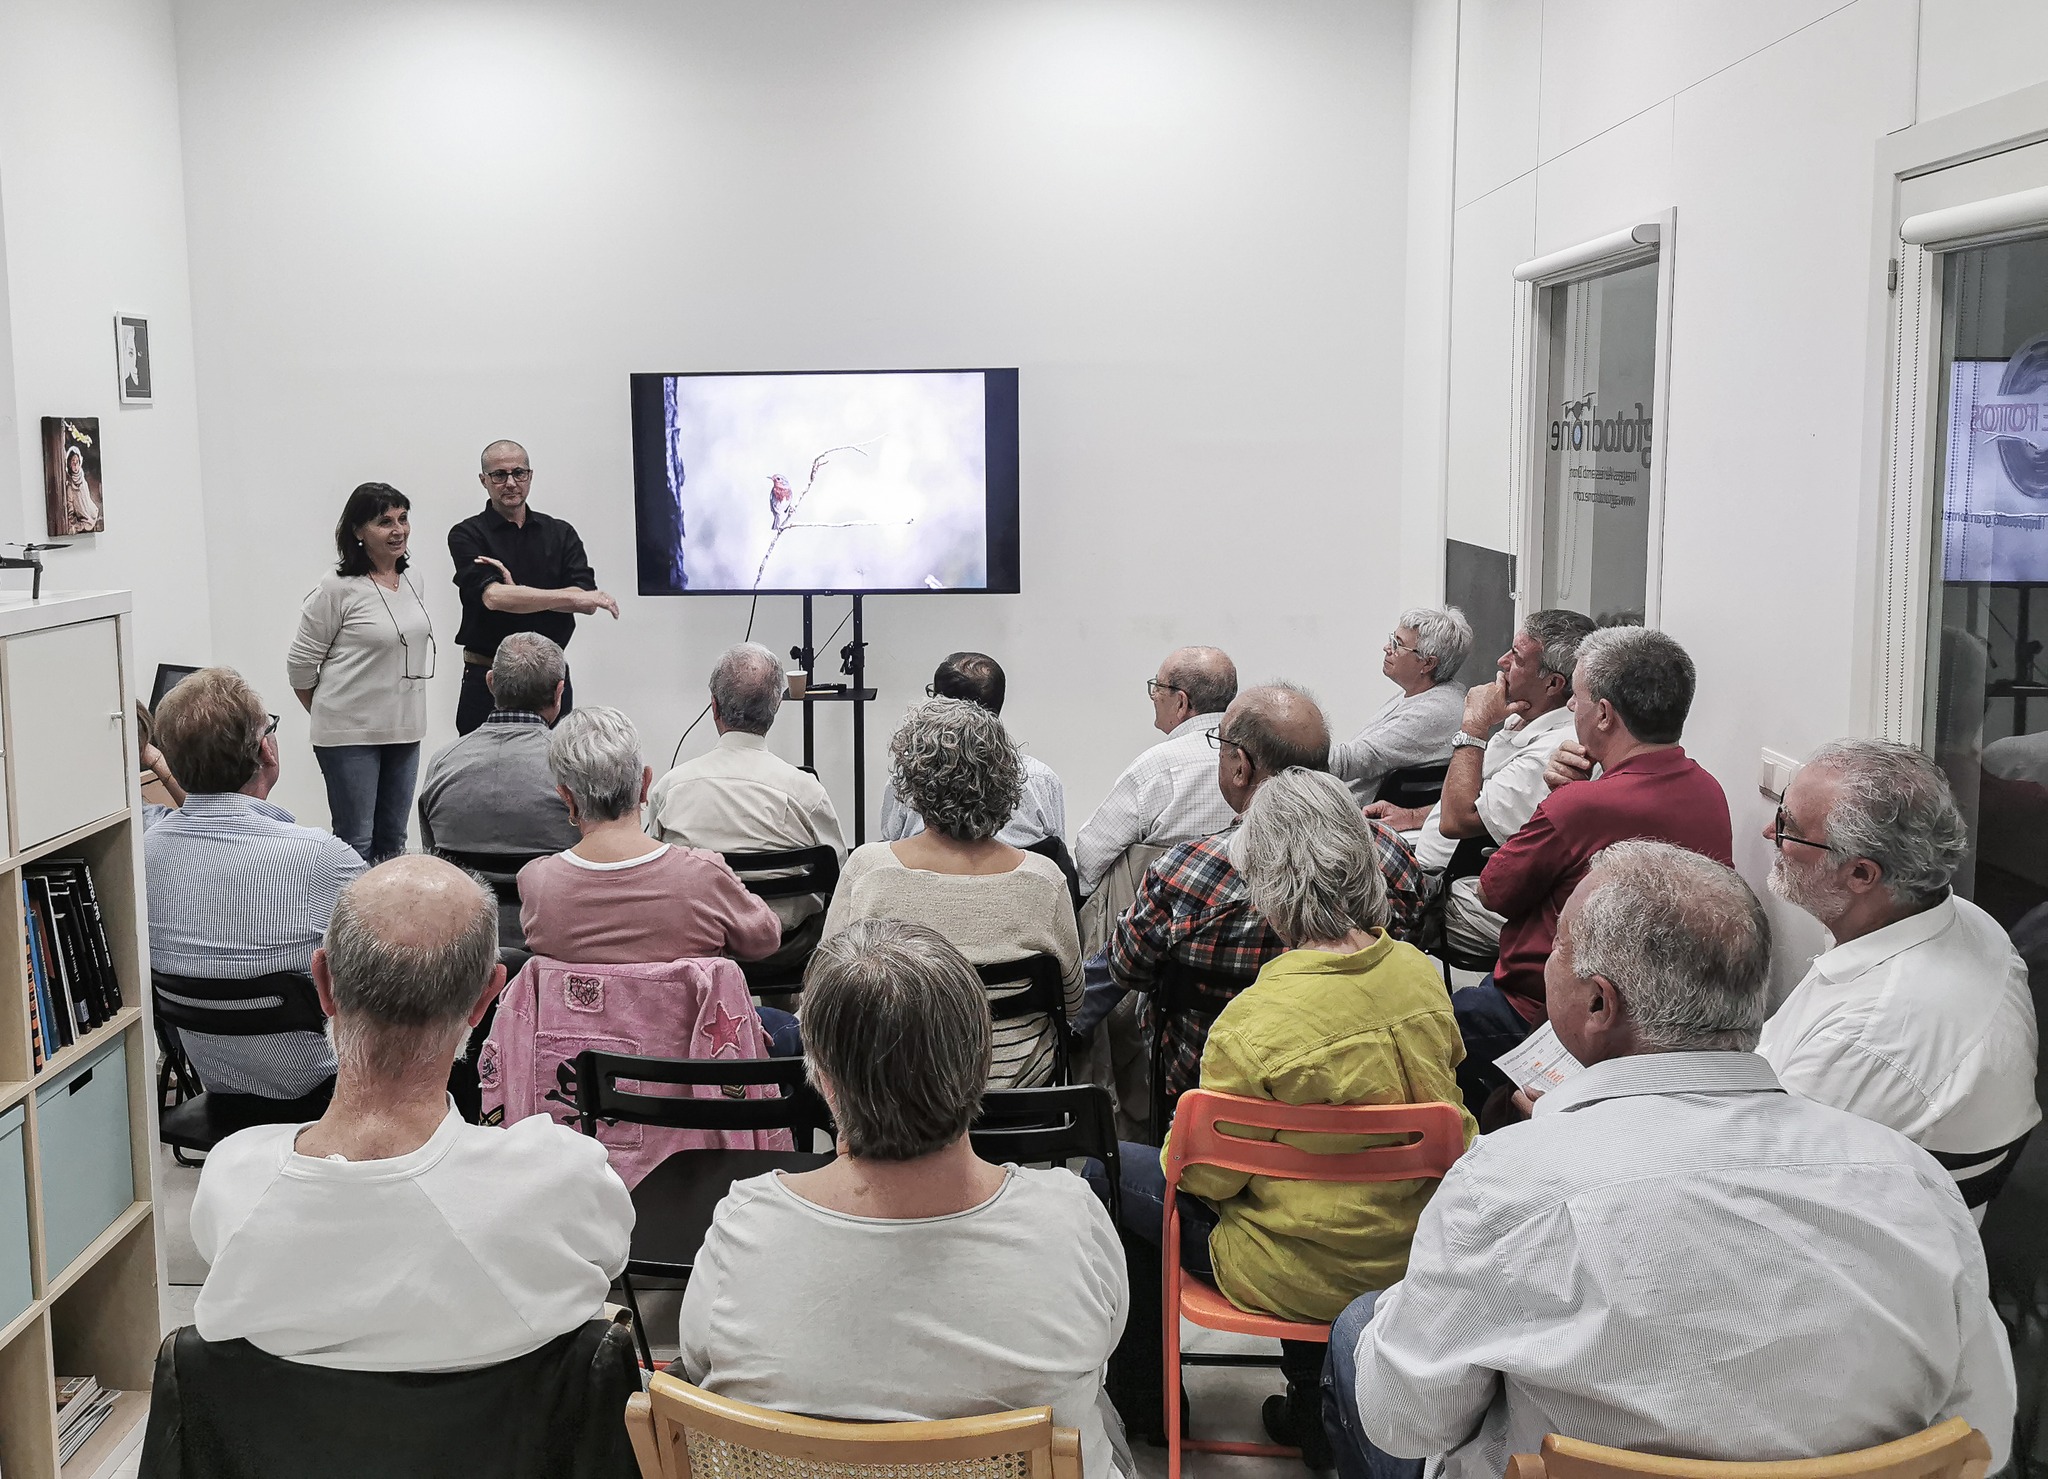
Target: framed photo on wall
[(131, 358), (71, 475)]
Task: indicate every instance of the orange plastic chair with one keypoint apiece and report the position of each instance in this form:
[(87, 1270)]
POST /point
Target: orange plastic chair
[(1199, 1140), (1948, 1450)]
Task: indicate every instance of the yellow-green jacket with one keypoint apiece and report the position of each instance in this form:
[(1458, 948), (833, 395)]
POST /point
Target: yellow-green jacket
[(1321, 1028)]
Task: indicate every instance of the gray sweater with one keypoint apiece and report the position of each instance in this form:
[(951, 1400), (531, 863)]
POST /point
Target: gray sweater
[(1410, 730), (348, 651)]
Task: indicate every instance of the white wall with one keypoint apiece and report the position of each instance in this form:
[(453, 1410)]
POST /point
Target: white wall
[(419, 226), (1758, 120), (92, 222)]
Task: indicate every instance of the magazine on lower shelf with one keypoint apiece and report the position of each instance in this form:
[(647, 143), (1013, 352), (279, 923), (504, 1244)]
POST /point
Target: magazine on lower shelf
[(80, 1414)]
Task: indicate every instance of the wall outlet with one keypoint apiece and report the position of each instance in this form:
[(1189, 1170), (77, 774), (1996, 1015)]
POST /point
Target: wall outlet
[(1775, 774)]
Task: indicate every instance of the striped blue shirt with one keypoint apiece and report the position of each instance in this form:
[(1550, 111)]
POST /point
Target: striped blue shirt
[(238, 889)]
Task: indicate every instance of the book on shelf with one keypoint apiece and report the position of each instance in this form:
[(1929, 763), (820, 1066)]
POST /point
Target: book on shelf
[(29, 975), (50, 1029), (56, 977), (76, 901), (80, 1416)]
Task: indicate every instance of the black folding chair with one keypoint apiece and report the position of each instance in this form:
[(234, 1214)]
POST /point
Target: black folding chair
[(1063, 1123), (1414, 785), (501, 871), (674, 1203), (193, 1118), (799, 871), (1466, 862), (1055, 849), (1034, 985)]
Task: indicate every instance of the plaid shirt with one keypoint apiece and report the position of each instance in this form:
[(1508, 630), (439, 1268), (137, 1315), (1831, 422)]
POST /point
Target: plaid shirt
[(1191, 940)]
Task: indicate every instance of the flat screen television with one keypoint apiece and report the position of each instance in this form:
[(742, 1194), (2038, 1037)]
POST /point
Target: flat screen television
[(843, 482), (1995, 483)]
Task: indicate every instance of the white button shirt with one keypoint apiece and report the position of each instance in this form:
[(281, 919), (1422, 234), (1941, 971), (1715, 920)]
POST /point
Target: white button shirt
[(1675, 1255), (1511, 785), (1926, 1025), (1167, 795), (1041, 810), (741, 797)]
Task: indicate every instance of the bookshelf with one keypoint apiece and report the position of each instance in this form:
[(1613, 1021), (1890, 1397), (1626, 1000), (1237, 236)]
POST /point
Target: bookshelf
[(87, 1115)]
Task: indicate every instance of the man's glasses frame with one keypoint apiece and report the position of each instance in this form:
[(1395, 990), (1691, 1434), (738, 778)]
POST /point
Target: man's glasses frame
[(1153, 688), (1217, 740), (499, 477), (1779, 836)]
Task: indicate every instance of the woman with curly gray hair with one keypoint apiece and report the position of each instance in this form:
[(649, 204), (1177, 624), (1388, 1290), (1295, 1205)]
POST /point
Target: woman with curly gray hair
[(955, 764)]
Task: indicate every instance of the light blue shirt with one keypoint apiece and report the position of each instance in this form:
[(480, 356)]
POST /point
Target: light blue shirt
[(238, 889), (1676, 1255)]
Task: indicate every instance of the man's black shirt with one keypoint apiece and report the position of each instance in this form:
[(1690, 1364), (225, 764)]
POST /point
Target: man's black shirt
[(545, 553)]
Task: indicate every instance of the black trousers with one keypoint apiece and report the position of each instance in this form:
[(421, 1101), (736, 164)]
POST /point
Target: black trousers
[(476, 702)]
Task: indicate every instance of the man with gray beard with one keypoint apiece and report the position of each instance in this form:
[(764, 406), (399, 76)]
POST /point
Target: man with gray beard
[(1919, 1016)]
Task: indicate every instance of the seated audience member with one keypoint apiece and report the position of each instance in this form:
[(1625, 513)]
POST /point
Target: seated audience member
[(1414, 727), (1191, 941), (1631, 690), (908, 1280), (1344, 1015), (1673, 1255), (161, 793), (1041, 808), (1167, 795), (236, 888), (740, 797), (1498, 757), (491, 791), (1920, 1016), (388, 1235), (620, 897), (959, 769)]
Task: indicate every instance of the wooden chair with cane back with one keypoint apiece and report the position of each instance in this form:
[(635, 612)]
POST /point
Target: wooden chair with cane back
[(1948, 1450), (683, 1432)]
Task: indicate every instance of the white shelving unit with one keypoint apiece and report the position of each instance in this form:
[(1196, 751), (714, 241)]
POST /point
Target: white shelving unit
[(68, 735)]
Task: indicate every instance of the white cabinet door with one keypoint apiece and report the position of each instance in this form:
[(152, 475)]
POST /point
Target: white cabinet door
[(69, 759)]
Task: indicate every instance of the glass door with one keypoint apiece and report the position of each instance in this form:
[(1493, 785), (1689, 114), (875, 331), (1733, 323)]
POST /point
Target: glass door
[(1599, 378)]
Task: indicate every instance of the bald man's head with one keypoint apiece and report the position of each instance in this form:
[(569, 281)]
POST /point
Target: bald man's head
[(502, 453), (1205, 674), (412, 945), (1278, 726)]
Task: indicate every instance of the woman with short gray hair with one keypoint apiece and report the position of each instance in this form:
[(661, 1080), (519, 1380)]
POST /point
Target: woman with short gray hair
[(1346, 1015), (957, 767), (620, 897), (1422, 656), (996, 1287)]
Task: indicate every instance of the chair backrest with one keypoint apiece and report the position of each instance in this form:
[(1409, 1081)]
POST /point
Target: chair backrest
[(499, 869), (682, 1432), (283, 1001), (1948, 1450), (1054, 849), (1199, 1138), (795, 872), (1980, 1175), (594, 1078), (225, 1410), (1036, 987), (1414, 785), (1061, 1123)]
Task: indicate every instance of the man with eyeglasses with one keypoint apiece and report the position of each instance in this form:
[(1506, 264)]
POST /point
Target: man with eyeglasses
[(237, 888), (1422, 656), (1919, 1016), (518, 570), (1168, 794)]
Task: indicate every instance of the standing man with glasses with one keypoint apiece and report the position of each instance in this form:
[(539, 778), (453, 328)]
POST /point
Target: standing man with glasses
[(1919, 1016), (519, 570)]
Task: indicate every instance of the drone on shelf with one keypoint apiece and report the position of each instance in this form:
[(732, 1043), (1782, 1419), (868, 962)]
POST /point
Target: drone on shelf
[(30, 558)]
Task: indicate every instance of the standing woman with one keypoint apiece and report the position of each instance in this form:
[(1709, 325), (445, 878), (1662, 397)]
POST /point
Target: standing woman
[(360, 664)]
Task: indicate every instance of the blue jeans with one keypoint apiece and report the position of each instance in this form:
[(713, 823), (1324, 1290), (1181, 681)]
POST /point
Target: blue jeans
[(369, 794), (1491, 1026), (784, 1039), (1355, 1454)]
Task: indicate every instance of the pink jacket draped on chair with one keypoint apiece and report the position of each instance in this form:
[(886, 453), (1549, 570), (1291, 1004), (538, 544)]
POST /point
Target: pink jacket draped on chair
[(554, 1010)]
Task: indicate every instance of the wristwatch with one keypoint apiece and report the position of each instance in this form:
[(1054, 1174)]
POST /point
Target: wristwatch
[(1462, 740)]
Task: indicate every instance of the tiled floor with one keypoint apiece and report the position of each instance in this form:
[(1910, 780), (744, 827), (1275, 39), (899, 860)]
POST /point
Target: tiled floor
[(1225, 1400)]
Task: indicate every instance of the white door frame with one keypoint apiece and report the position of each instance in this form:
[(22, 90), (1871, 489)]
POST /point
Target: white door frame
[(1652, 239), (1902, 396)]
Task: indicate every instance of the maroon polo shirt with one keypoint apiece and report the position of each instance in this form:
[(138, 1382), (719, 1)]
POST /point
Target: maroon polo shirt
[(1658, 796)]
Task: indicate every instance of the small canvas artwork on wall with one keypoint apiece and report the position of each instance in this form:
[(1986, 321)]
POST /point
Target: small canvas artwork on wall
[(131, 358), (71, 475)]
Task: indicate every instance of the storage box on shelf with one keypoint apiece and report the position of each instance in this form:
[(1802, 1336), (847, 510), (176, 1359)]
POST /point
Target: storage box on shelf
[(78, 1244)]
